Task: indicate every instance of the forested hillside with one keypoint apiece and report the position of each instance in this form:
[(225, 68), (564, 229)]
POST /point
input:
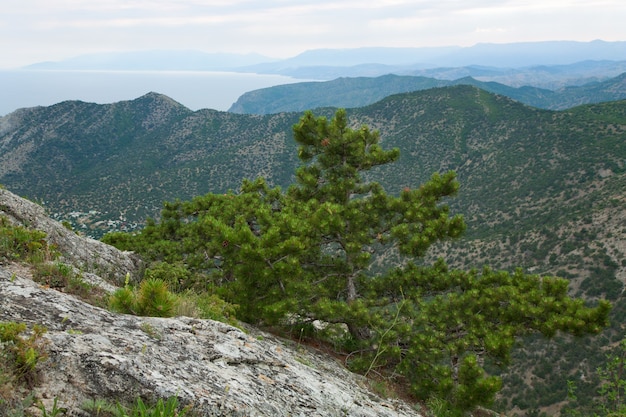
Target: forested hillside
[(361, 91), (139, 152), (544, 190)]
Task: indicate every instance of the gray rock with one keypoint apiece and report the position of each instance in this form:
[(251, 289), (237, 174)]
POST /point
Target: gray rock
[(84, 253), (219, 369)]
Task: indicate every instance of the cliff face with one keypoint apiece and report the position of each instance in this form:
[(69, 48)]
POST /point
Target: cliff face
[(219, 369)]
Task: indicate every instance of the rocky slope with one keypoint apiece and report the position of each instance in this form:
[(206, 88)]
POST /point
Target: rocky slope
[(218, 369), (88, 255)]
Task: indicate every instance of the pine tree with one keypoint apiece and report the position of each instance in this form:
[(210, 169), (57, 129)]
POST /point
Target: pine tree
[(320, 251), (354, 218)]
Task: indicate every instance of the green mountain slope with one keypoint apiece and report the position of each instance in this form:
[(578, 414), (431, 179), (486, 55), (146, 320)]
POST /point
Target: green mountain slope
[(518, 166), (519, 160), (342, 92), (361, 91), (540, 189), (127, 158)]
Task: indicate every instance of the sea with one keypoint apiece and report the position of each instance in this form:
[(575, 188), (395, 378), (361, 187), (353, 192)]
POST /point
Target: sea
[(193, 89)]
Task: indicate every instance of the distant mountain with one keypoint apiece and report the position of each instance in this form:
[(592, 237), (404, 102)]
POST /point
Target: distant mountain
[(508, 55), (542, 190), (526, 54), (595, 92), (551, 77), (154, 60), (342, 92), (325, 64), (361, 91), (611, 89)]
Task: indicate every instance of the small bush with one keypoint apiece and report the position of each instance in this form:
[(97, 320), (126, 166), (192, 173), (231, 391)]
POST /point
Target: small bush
[(62, 276), (151, 299), (54, 411), (20, 243), (177, 277), (54, 275), (99, 408), (23, 352), (123, 301), (168, 408), (210, 306), (441, 408), (102, 408), (154, 299)]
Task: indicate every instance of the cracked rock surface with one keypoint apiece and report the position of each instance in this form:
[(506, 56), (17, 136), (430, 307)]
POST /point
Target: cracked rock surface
[(219, 369)]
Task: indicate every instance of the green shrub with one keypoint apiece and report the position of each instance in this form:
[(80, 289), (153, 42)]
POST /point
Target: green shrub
[(177, 277), (62, 276), (123, 301), (151, 299), (54, 275), (168, 408), (54, 412), (102, 408), (154, 299), (99, 408), (20, 354), (210, 306), (20, 243)]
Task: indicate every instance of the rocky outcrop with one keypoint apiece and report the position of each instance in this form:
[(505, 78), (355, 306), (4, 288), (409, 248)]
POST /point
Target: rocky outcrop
[(218, 369), (87, 254)]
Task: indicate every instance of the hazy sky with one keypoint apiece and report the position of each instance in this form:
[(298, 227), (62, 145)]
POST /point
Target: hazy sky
[(47, 30)]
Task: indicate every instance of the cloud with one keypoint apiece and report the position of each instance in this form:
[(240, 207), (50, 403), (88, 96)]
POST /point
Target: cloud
[(36, 30)]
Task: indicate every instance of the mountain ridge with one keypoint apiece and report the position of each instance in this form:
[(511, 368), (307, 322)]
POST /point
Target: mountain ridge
[(155, 60), (185, 135), (361, 91), (507, 55)]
